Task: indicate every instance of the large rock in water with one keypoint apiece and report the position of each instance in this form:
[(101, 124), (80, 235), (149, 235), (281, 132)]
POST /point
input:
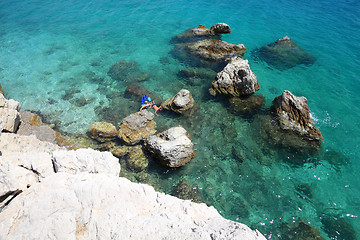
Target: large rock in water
[(215, 50), (137, 126), (195, 34), (236, 79), (292, 114), (284, 54), (9, 113), (182, 102), (99, 206), (173, 147)]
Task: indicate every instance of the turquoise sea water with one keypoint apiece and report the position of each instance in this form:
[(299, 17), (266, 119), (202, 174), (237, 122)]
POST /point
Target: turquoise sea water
[(54, 58)]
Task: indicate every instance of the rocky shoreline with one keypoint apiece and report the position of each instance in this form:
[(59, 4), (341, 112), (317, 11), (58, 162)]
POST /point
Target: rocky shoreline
[(50, 191)]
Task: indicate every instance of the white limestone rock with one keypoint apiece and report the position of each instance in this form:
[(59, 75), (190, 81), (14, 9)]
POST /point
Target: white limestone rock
[(173, 147), (99, 206), (236, 79), (9, 113)]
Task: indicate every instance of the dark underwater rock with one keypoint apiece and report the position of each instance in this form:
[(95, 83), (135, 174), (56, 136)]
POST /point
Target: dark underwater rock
[(337, 227), (236, 79), (134, 156), (284, 54), (127, 71), (187, 191), (246, 105), (299, 231), (199, 33), (136, 92)]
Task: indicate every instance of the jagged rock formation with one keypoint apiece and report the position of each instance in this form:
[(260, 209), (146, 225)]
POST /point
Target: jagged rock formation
[(9, 113), (173, 147), (284, 54), (293, 114), (236, 79), (182, 102), (103, 131), (137, 126)]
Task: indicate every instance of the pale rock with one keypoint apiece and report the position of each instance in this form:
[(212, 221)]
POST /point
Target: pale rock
[(99, 206), (85, 160), (181, 103), (173, 147), (9, 113), (236, 79)]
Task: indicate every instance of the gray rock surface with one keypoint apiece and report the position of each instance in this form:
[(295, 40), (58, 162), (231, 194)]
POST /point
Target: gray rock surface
[(236, 79), (173, 147), (9, 113), (99, 206), (182, 102), (201, 32), (137, 126)]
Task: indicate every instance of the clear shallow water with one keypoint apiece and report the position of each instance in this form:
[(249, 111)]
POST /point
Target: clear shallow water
[(50, 48)]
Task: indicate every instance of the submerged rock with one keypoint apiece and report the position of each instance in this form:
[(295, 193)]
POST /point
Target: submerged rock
[(127, 71), (136, 91), (182, 102), (195, 34), (284, 54), (246, 105), (137, 127), (299, 231), (103, 131), (236, 79), (293, 114), (173, 147), (187, 191), (9, 113), (135, 159)]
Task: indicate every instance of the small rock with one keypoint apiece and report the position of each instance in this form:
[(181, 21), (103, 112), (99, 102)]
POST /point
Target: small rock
[(137, 126), (236, 79), (103, 131), (181, 103), (173, 147)]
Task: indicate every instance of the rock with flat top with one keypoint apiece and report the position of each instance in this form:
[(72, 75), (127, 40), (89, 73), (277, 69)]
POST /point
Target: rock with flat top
[(137, 127), (236, 79), (173, 147)]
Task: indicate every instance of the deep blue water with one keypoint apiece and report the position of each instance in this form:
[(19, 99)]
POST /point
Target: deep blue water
[(50, 47)]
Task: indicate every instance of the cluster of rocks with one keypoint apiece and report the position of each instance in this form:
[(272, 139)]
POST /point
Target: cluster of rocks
[(173, 147), (202, 47), (80, 192)]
